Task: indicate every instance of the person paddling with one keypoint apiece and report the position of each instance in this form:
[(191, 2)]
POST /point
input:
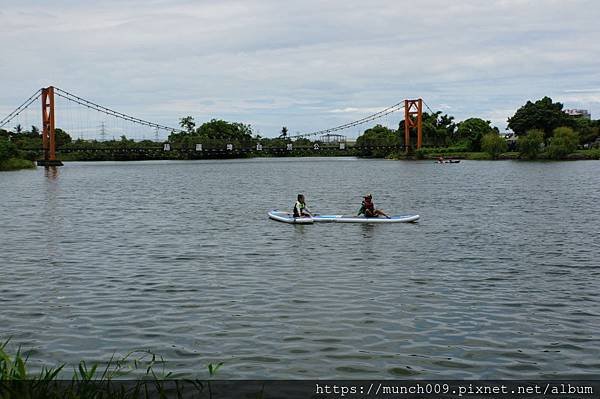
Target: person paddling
[(368, 208), (300, 209)]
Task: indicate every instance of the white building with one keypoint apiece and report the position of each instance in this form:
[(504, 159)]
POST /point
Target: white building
[(580, 113)]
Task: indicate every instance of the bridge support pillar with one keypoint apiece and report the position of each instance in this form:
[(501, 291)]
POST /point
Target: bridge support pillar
[(413, 118), (48, 134)]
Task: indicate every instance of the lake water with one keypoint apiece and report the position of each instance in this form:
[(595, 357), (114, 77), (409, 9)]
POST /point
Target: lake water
[(498, 279)]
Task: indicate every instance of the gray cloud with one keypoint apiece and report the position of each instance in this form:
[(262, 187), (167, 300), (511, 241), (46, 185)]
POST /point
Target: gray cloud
[(276, 63)]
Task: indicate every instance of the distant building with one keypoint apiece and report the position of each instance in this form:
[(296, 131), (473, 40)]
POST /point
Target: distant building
[(509, 135), (579, 113), (511, 140), (333, 138)]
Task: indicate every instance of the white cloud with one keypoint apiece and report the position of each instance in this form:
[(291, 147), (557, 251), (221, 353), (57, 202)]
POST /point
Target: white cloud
[(597, 90), (584, 98), (353, 110), (306, 65)]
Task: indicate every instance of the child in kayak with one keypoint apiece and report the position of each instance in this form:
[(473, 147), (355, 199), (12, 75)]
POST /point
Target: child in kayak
[(368, 208), (300, 209)]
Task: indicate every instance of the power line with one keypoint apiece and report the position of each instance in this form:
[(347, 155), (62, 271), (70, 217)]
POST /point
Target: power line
[(102, 132)]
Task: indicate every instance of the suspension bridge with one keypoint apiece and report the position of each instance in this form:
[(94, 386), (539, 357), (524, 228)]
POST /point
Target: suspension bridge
[(413, 111)]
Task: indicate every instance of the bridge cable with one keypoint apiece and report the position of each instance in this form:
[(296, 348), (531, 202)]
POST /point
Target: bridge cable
[(91, 105), (376, 115), (21, 108), (430, 110)]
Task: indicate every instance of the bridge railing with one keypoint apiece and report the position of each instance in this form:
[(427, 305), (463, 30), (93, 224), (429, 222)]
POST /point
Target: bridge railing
[(228, 148)]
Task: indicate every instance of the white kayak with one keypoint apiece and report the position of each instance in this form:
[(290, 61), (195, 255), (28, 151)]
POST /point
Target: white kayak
[(287, 217), (364, 219)]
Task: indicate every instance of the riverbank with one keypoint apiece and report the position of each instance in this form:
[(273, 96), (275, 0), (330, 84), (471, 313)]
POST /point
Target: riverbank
[(16, 164), (592, 154)]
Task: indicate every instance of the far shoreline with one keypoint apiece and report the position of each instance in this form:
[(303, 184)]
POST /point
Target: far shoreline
[(582, 155)]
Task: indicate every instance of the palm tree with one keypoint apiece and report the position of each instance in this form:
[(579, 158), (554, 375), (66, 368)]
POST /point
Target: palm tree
[(284, 132), (188, 124)]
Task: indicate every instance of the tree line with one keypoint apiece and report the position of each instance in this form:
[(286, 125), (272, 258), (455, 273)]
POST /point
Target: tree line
[(542, 129)]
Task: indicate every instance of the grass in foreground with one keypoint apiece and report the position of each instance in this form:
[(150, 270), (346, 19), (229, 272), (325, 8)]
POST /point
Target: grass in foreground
[(109, 381)]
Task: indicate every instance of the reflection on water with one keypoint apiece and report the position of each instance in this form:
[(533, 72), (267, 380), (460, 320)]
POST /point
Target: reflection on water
[(51, 172), (497, 280), (53, 223), (367, 230)]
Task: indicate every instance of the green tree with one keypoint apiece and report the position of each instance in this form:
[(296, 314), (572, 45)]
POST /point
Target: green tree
[(276, 142), (493, 144), (188, 124), (303, 142), (26, 140), (472, 130), (7, 150), (438, 129), (223, 130), (587, 130), (530, 144), (542, 114), (62, 137), (378, 136), (562, 143), (215, 134), (284, 132)]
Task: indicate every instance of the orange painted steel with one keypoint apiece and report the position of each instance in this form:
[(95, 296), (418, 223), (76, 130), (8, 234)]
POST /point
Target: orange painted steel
[(48, 136), (413, 108), (45, 123)]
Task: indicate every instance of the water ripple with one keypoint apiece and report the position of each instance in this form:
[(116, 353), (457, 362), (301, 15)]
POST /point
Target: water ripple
[(497, 280)]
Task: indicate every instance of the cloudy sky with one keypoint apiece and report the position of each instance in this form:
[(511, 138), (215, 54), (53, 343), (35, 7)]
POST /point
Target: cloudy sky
[(308, 64)]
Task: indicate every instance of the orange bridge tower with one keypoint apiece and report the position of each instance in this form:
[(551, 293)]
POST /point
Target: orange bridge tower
[(48, 134), (413, 118)]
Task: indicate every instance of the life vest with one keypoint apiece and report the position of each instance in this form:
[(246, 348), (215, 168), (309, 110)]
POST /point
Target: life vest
[(298, 208)]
